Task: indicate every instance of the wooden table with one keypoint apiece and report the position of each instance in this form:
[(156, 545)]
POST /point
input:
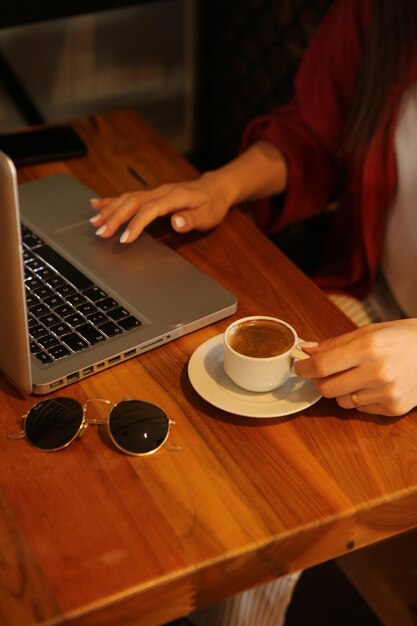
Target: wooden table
[(91, 537)]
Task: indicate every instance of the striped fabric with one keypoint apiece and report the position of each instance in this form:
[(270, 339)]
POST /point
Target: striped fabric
[(265, 605), (360, 311), (379, 306)]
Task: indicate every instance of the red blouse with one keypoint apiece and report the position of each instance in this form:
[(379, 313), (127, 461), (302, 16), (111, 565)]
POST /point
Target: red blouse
[(308, 132)]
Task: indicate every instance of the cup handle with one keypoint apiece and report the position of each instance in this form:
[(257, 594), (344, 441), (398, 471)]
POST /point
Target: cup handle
[(297, 354)]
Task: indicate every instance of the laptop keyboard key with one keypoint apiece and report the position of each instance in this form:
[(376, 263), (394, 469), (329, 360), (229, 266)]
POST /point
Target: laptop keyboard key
[(33, 283), (48, 341), (64, 310), (90, 333), (46, 273), (74, 320), (95, 293), (97, 318), (43, 292), (31, 300), (35, 264), (76, 299), (74, 341), (87, 308), (59, 352), (107, 304), (32, 322), (129, 322), (38, 309), (60, 329), (65, 290), (44, 357), (49, 320), (110, 329), (55, 281), (54, 301), (117, 313), (31, 240), (37, 331)]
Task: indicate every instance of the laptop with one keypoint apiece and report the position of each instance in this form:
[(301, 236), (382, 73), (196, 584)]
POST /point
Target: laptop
[(72, 304)]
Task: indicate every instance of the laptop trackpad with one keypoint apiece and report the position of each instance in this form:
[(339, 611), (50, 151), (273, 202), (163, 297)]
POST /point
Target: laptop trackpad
[(108, 256)]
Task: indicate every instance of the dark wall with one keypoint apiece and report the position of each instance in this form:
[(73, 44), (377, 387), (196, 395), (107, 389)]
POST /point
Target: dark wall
[(249, 51)]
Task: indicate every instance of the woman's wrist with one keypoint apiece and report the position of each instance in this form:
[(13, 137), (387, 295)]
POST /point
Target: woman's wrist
[(224, 184), (259, 172)]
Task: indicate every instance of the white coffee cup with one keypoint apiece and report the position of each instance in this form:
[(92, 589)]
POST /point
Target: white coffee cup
[(259, 352)]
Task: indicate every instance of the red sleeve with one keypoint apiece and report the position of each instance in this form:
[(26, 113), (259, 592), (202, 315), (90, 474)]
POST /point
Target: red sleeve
[(308, 130)]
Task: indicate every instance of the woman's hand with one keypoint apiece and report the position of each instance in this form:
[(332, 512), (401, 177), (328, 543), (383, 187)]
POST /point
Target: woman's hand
[(377, 362), (199, 204)]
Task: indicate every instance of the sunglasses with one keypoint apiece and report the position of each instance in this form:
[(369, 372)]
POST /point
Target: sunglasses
[(134, 426)]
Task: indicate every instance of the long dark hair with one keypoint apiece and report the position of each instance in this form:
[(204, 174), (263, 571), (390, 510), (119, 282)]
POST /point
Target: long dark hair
[(391, 41)]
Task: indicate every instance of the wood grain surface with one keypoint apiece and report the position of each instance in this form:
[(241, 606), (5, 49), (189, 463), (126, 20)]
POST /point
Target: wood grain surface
[(91, 537)]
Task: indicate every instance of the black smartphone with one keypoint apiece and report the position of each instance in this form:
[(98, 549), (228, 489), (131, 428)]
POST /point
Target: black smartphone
[(54, 143)]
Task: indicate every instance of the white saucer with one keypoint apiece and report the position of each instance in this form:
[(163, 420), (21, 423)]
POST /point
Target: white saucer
[(207, 376)]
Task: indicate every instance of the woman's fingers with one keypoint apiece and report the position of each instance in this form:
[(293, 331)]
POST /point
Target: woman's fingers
[(354, 389), (193, 205), (117, 213), (367, 344), (112, 212), (340, 340), (100, 203), (381, 399), (189, 208), (337, 357), (203, 217)]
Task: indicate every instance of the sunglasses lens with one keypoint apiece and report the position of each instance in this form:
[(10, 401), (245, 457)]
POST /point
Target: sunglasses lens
[(138, 427), (53, 423)]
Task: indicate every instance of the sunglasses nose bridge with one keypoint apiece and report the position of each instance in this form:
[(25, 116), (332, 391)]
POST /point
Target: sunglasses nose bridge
[(97, 422)]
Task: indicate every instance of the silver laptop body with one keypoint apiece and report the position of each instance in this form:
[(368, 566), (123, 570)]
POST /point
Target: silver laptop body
[(146, 282)]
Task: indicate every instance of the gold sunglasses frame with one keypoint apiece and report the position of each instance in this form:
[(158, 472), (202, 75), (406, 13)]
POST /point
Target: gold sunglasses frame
[(85, 422)]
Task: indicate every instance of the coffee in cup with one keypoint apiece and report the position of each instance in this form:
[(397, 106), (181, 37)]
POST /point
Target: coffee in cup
[(259, 352), (261, 338)]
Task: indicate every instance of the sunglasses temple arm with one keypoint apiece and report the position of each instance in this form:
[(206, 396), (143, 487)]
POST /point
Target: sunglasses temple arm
[(18, 435), (172, 447), (168, 445)]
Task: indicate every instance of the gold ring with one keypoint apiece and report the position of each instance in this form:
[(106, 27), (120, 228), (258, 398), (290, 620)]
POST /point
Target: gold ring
[(354, 398)]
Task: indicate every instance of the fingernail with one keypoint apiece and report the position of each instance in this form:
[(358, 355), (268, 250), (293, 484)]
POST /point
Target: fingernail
[(101, 230), (309, 344), (179, 221), (94, 219), (124, 237), (94, 200)]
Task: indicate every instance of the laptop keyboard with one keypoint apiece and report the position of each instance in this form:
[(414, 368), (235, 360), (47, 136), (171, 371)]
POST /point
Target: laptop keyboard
[(67, 312)]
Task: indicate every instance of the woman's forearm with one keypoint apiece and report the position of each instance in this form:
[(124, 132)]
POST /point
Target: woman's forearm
[(259, 172)]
